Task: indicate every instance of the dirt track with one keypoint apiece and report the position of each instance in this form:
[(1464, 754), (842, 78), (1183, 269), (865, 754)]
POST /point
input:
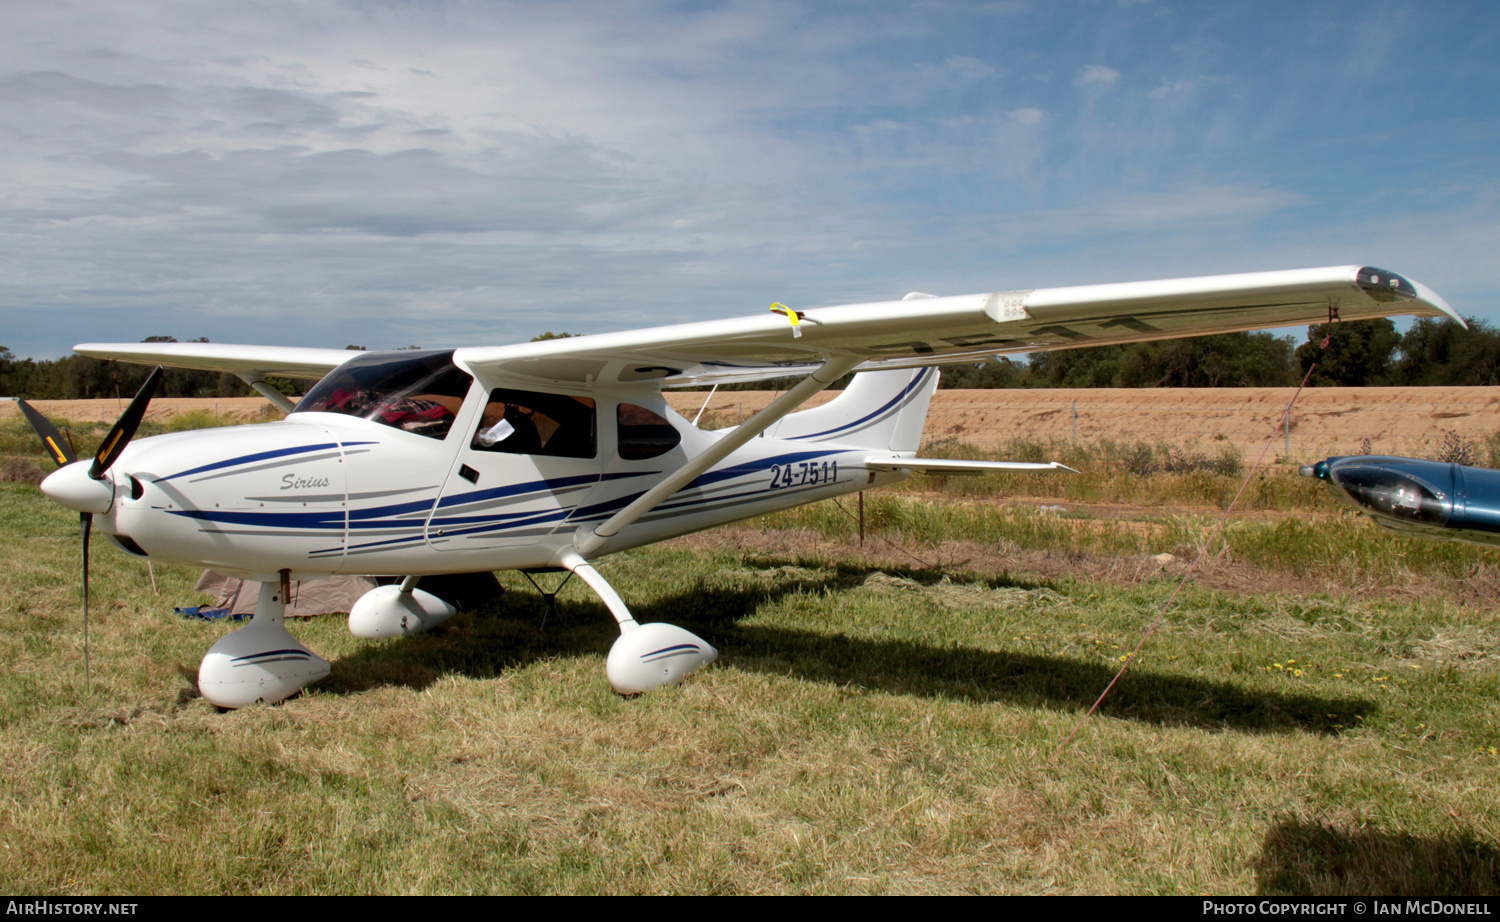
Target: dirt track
[(1325, 421)]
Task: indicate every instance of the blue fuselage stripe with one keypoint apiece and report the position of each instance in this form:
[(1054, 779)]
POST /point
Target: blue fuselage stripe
[(915, 383), (259, 456)]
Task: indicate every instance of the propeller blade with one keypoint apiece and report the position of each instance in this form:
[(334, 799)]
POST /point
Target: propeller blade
[(57, 446), (86, 525), (124, 430)]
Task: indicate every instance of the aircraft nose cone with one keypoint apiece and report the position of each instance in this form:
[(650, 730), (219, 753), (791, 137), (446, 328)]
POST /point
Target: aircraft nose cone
[(72, 486)]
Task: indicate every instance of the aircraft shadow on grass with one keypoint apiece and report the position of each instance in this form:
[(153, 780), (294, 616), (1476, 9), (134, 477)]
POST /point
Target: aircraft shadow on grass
[(510, 633), (1301, 858)]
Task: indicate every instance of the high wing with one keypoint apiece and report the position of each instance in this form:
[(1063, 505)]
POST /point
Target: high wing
[(919, 330), (923, 330), (249, 362)]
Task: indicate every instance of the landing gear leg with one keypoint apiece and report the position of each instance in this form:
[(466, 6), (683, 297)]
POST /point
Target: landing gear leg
[(261, 663), (645, 656)]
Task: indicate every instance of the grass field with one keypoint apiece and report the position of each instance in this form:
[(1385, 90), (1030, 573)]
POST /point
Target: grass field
[(1320, 714)]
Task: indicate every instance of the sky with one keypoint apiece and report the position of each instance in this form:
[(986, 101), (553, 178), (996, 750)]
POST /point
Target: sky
[(453, 173)]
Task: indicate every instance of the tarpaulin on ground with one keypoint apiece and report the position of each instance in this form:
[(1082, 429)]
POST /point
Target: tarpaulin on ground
[(467, 591), (313, 597)]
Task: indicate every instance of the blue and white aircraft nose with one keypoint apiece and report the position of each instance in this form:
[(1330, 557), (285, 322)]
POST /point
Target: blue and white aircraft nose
[(71, 486), (245, 498)]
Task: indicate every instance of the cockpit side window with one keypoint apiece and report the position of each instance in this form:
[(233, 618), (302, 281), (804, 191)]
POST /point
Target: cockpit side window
[(417, 391), (532, 423), (644, 433)]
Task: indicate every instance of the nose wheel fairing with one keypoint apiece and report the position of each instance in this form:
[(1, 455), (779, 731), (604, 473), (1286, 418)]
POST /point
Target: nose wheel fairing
[(261, 663)]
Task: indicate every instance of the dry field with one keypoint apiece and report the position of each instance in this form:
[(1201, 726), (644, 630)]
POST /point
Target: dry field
[(231, 409), (1325, 421)]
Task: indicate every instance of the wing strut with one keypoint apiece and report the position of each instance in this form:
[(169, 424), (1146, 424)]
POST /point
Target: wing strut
[(256, 381), (589, 543)]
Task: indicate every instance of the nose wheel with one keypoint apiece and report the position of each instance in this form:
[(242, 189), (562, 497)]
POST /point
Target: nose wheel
[(261, 663)]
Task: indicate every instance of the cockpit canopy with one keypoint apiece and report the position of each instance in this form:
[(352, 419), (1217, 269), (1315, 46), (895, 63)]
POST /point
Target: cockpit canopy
[(416, 391), (1393, 492)]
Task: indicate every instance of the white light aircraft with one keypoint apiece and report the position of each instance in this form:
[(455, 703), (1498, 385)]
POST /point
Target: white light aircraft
[(553, 454)]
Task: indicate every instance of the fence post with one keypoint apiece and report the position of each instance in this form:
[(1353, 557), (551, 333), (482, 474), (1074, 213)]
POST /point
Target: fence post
[(1075, 424), (1286, 424)]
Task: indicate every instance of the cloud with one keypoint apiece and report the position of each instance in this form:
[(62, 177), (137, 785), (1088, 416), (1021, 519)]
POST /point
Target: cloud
[(533, 183), (1173, 88), (1193, 206), (1096, 75), (466, 171), (967, 68)]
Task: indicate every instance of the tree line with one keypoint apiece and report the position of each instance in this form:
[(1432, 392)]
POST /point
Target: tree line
[(1365, 353), (1362, 353), (79, 377)]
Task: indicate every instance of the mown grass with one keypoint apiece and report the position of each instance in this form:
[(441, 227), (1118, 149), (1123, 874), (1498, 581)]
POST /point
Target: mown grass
[(1343, 547), (867, 730), (1138, 474)]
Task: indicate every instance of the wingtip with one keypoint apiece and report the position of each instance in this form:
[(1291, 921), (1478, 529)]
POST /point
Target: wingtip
[(1436, 300)]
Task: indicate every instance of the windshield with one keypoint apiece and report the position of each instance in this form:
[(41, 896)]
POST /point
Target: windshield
[(416, 391)]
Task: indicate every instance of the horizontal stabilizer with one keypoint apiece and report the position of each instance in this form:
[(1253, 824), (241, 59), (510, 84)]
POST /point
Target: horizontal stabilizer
[(956, 466)]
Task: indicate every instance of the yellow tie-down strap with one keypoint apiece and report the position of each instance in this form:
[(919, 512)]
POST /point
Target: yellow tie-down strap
[(794, 316)]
